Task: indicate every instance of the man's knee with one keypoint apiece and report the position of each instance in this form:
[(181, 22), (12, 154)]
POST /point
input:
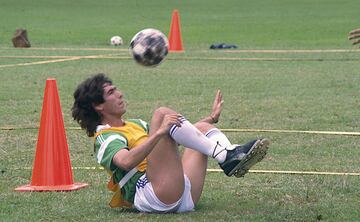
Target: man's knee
[(203, 126), (162, 111)]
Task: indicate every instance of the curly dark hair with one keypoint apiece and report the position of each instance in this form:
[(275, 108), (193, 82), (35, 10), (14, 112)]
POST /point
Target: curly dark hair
[(87, 95)]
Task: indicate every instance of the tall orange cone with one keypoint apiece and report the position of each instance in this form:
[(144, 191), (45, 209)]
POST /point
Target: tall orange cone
[(52, 168), (175, 42)]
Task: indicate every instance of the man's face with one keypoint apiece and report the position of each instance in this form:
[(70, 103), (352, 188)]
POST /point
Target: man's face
[(114, 101)]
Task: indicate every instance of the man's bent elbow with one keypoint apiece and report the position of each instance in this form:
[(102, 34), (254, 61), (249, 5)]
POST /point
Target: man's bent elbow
[(125, 165), (123, 161)]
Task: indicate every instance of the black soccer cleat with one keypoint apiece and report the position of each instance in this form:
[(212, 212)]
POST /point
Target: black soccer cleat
[(241, 158)]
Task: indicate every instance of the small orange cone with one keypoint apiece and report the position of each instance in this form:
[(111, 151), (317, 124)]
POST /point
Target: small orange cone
[(52, 168), (175, 42)]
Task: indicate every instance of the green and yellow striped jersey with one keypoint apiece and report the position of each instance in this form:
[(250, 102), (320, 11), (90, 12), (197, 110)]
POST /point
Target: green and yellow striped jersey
[(109, 140)]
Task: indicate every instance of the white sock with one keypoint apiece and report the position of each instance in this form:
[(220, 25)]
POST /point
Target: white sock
[(216, 135), (189, 136)]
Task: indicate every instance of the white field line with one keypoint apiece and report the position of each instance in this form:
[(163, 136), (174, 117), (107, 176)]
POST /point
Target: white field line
[(222, 50), (248, 59), (342, 133), (117, 56), (250, 171), (295, 172), (40, 62), (37, 57), (294, 131), (293, 51), (64, 59), (69, 49), (224, 58), (68, 58)]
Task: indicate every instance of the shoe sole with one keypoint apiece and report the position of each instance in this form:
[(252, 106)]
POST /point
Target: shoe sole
[(256, 154)]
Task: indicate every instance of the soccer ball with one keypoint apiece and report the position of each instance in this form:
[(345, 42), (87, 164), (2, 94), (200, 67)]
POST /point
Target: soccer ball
[(149, 47), (116, 40)]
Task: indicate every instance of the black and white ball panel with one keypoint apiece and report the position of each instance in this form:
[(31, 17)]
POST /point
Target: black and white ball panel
[(149, 47)]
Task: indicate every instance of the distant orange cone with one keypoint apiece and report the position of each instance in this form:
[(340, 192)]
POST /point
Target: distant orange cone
[(52, 168), (175, 42)]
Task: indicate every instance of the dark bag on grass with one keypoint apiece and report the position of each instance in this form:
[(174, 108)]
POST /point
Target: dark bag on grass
[(20, 39), (223, 46)]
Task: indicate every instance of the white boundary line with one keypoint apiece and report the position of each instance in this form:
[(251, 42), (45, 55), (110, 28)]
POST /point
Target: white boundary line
[(36, 57), (294, 131), (280, 51), (40, 62), (69, 58), (68, 49), (250, 171), (222, 50), (65, 57), (224, 130), (270, 59), (294, 172)]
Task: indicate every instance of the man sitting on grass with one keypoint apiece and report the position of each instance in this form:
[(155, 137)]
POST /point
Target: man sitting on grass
[(144, 161)]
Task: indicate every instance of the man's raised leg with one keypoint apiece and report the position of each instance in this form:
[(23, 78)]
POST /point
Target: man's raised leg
[(165, 158), (195, 165), (164, 169)]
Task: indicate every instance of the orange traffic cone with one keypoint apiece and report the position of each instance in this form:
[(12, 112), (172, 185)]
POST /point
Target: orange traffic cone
[(52, 168), (175, 42)]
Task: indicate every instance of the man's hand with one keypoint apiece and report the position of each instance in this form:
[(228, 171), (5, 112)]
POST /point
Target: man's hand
[(217, 107), (168, 121), (128, 159), (354, 35)]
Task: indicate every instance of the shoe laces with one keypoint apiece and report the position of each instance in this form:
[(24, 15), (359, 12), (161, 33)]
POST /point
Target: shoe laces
[(216, 147)]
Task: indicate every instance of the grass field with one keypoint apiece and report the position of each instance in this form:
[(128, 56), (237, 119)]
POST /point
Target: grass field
[(294, 70)]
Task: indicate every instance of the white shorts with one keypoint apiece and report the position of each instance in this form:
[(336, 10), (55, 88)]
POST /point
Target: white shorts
[(146, 200)]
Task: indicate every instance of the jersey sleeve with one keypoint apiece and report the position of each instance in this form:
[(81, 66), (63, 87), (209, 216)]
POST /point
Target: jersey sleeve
[(106, 146)]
